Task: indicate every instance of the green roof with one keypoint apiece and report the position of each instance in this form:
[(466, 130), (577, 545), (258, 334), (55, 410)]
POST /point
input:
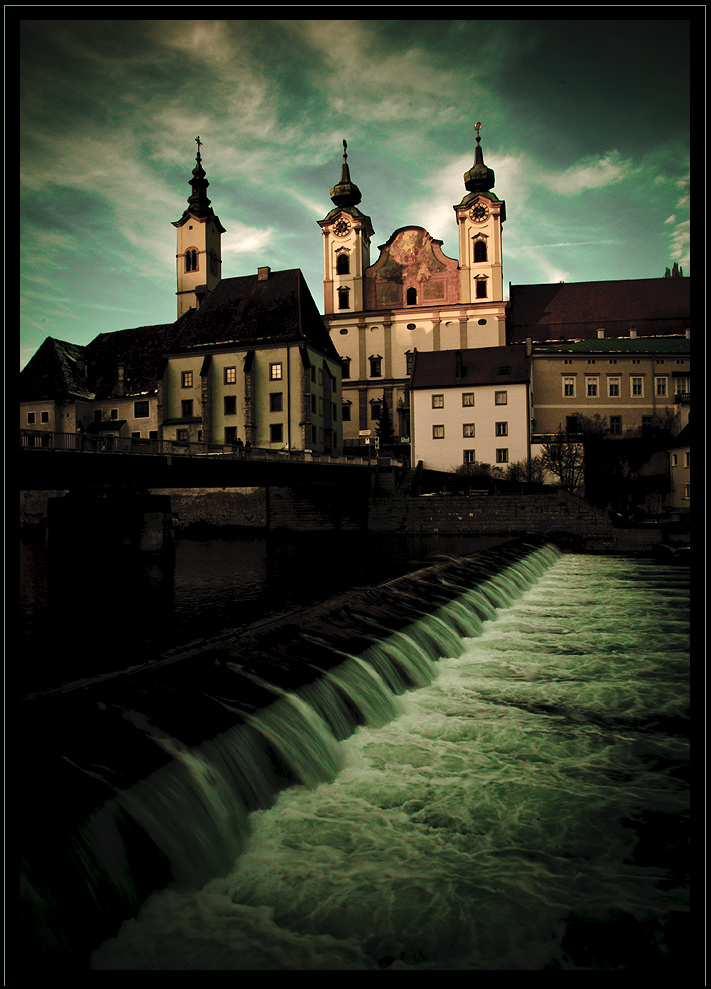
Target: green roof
[(617, 345)]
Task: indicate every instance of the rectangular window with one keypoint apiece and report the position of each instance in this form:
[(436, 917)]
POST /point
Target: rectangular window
[(275, 401), (30, 418), (613, 387), (346, 413), (615, 425), (438, 401), (346, 368), (469, 457), (502, 456), (44, 416), (438, 432), (674, 460), (376, 367), (591, 387), (503, 370), (468, 399), (314, 435), (375, 412), (682, 386), (313, 403), (276, 433), (468, 429), (186, 407), (230, 375), (230, 405), (647, 422), (687, 491), (275, 372), (409, 361), (113, 414), (687, 459), (140, 410), (186, 379), (500, 398), (661, 387), (568, 387), (182, 436), (502, 429), (637, 387)]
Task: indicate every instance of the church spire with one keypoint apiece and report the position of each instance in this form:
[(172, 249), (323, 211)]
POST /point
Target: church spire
[(479, 178), (345, 193), (198, 202)]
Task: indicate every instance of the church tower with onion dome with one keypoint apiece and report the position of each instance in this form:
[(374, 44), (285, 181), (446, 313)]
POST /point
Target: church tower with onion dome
[(480, 217), (199, 253), (346, 246)]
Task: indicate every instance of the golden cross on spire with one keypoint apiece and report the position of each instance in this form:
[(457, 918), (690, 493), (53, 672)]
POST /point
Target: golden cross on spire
[(199, 144)]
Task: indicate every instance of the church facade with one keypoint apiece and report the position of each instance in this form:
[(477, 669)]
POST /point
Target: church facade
[(412, 298)]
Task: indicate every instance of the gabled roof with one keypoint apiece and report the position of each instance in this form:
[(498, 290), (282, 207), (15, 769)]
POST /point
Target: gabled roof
[(577, 310), (137, 350), (477, 366), (56, 372), (252, 310)]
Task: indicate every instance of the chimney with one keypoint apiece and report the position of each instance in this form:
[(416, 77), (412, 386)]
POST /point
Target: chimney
[(601, 334), (687, 334), (633, 334), (263, 274)]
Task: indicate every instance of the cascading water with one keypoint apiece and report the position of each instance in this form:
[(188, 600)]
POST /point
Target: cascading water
[(466, 792)]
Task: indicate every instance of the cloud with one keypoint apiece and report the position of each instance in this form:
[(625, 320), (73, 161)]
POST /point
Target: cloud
[(589, 174)]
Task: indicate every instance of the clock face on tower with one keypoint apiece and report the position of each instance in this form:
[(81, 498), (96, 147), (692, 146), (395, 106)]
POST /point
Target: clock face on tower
[(479, 213), (341, 227)]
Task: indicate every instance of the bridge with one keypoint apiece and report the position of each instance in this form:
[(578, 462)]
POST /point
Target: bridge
[(52, 461)]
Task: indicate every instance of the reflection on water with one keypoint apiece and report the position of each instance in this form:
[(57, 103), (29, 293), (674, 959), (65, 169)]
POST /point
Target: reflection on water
[(82, 617)]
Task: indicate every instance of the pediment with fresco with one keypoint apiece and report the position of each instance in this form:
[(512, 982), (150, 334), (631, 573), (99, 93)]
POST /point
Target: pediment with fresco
[(411, 270)]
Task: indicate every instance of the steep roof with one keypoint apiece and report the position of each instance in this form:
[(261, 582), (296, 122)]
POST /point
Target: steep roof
[(253, 310), (137, 350), (477, 366), (570, 310), (57, 371)]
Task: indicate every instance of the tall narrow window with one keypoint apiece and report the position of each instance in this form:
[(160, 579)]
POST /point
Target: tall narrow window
[(481, 289), (376, 367), (343, 302), (343, 264), (411, 297), (480, 250), (191, 260)]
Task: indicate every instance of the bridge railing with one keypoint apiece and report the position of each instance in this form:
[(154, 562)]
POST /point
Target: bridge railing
[(36, 439)]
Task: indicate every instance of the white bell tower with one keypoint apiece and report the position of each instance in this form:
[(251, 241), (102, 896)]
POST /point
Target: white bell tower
[(346, 247), (198, 256), (480, 218)]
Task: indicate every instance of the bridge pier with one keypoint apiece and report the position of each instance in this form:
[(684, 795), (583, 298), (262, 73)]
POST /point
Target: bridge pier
[(109, 520)]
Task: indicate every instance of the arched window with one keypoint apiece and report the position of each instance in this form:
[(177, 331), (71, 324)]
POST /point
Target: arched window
[(191, 259), (343, 298), (343, 264), (480, 250), (411, 297), (481, 289)]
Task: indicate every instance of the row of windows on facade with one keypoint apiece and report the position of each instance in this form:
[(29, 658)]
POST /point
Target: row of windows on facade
[(376, 365), (192, 261), (343, 261), (636, 386), (411, 296), (276, 404), (276, 373)]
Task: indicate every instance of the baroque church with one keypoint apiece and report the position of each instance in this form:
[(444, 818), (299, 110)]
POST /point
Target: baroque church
[(251, 361)]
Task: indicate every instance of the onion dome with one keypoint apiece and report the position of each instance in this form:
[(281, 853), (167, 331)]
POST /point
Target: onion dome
[(345, 193), (479, 178), (198, 202)]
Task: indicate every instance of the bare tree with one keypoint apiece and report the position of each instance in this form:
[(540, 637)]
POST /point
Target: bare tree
[(565, 460)]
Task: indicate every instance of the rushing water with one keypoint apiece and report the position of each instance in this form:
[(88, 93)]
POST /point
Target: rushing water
[(523, 808)]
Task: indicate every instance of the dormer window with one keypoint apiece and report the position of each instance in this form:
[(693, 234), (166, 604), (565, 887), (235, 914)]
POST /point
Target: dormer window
[(191, 259), (411, 297), (343, 264)]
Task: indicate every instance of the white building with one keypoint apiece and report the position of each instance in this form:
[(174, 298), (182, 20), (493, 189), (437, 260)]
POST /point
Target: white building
[(471, 406)]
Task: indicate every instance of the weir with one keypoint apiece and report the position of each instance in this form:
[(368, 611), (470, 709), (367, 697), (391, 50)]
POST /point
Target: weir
[(148, 778)]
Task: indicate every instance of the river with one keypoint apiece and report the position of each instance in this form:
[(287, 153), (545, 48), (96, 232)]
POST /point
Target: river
[(524, 808)]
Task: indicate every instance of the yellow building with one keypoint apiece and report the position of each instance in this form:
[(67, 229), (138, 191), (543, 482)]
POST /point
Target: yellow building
[(631, 384)]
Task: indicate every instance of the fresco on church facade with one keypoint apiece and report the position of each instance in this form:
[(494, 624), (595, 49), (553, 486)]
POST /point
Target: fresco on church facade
[(411, 260)]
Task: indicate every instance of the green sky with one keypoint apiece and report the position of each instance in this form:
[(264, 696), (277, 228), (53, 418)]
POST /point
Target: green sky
[(586, 124)]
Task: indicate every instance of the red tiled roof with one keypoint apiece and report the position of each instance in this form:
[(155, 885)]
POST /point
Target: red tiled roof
[(570, 310)]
